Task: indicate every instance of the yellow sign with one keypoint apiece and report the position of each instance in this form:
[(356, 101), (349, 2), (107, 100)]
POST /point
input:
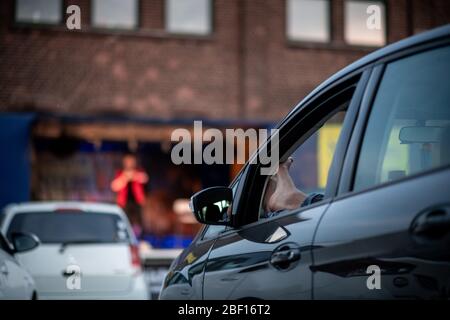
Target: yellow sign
[(326, 144)]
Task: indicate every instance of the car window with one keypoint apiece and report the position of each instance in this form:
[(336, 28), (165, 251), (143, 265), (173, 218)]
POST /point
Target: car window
[(312, 159), (55, 227), (310, 164), (408, 131)]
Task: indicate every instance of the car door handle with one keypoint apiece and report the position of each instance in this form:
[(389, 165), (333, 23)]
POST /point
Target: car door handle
[(285, 255), (432, 223)]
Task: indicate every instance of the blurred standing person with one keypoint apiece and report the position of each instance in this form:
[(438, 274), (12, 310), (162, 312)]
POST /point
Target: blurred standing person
[(129, 186)]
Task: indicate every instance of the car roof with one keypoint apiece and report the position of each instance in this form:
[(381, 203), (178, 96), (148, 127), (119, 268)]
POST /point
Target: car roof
[(45, 206), (421, 38)]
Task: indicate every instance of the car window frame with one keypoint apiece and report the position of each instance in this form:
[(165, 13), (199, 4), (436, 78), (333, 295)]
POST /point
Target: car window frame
[(316, 128), (345, 188), (357, 78)]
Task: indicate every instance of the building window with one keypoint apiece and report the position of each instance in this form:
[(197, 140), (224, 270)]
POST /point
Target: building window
[(188, 16), (308, 20), (115, 14), (365, 23), (39, 11)]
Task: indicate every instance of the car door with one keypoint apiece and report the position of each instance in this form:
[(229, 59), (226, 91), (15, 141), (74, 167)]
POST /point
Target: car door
[(387, 235), (185, 277), (269, 258)]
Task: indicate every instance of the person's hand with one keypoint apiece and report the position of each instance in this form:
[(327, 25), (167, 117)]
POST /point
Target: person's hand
[(140, 177), (129, 175), (122, 180)]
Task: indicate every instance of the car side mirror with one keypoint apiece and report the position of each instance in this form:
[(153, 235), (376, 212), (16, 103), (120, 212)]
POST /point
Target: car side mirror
[(24, 241), (212, 205)]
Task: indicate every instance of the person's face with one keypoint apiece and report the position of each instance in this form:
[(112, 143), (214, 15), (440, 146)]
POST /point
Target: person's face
[(129, 163)]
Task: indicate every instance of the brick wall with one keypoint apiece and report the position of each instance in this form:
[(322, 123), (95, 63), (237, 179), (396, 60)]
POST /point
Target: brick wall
[(245, 69)]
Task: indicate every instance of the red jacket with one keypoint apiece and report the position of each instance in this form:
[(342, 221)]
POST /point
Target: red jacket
[(137, 189)]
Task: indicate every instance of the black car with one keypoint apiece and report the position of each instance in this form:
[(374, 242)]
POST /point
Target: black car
[(381, 226)]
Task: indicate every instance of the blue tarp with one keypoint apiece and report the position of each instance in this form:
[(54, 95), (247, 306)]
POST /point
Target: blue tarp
[(14, 157)]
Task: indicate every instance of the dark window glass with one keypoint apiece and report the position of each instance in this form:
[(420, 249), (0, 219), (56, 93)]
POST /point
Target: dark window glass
[(365, 23), (59, 227), (119, 14), (409, 127), (39, 11), (308, 20), (188, 16)]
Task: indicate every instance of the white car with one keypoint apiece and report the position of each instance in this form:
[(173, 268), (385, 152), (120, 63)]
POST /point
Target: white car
[(87, 251), (16, 282)]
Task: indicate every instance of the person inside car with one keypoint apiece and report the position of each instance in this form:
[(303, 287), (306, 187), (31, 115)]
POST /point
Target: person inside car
[(282, 194)]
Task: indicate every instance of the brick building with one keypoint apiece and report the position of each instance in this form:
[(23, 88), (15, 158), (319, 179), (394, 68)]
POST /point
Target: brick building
[(139, 68), (243, 66)]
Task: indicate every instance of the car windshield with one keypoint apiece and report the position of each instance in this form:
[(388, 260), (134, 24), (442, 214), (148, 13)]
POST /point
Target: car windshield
[(71, 227)]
